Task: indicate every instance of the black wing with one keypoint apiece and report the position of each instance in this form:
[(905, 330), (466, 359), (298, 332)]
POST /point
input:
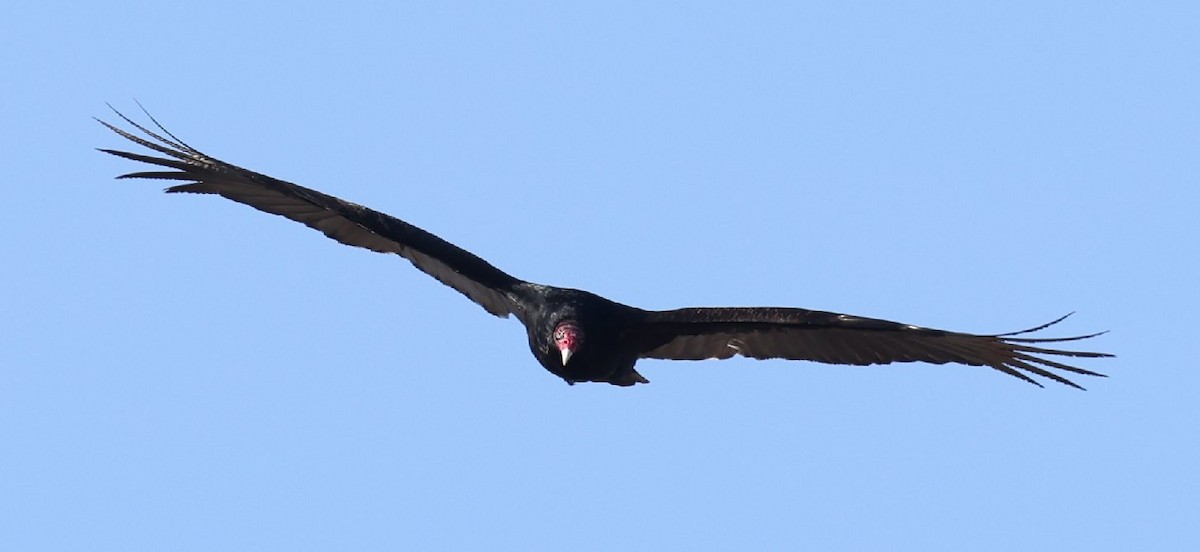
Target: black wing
[(341, 220), (800, 334)]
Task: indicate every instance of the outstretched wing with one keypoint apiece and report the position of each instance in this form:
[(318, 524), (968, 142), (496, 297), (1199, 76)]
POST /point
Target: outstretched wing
[(800, 334), (346, 222)]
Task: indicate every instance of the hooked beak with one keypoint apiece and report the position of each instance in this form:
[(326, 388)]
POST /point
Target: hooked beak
[(566, 354)]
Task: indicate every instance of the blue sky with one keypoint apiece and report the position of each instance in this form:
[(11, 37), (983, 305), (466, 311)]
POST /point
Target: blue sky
[(184, 373)]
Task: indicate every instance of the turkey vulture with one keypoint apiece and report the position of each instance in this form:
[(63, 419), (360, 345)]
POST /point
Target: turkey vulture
[(579, 336)]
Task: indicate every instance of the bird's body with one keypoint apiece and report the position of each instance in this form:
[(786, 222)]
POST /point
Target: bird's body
[(580, 336), (604, 355)]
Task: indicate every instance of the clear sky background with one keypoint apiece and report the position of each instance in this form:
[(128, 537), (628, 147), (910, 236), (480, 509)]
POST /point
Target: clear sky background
[(185, 373)]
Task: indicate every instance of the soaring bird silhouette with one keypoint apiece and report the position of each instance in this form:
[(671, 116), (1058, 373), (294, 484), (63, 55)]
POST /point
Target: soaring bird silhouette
[(580, 336)]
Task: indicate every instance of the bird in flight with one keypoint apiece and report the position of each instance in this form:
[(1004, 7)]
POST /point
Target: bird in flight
[(582, 337)]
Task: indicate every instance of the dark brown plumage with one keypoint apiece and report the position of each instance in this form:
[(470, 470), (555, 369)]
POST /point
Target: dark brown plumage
[(580, 336)]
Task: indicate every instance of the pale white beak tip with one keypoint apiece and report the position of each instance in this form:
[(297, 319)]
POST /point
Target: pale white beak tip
[(566, 354)]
